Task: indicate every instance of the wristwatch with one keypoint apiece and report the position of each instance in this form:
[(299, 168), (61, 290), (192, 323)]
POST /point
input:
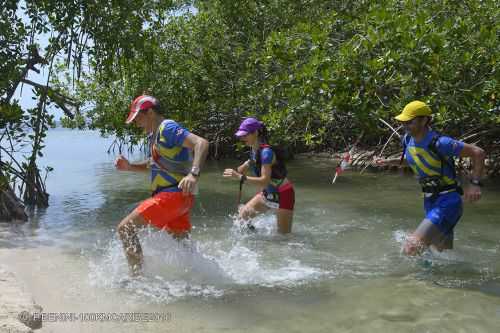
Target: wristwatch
[(195, 171), (476, 182)]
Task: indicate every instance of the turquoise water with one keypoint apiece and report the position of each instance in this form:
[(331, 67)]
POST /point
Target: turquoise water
[(340, 270)]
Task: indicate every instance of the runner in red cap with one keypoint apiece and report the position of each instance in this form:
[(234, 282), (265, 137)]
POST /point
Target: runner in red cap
[(174, 177)]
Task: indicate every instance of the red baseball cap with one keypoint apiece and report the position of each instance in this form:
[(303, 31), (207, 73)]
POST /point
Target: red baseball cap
[(143, 102)]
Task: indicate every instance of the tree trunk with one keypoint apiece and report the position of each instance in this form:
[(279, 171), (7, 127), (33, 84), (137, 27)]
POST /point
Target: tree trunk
[(11, 208)]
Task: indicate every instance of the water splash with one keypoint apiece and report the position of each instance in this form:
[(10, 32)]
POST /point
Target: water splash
[(172, 269), (177, 269)]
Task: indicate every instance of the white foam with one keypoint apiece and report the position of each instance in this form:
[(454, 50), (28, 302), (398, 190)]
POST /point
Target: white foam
[(174, 269), (400, 236), (171, 269), (264, 224), (246, 266)]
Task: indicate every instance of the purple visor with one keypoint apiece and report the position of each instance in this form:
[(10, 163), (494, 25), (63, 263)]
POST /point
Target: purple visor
[(249, 125)]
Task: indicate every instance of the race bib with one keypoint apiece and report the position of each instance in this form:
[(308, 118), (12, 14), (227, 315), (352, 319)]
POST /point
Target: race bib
[(271, 199)]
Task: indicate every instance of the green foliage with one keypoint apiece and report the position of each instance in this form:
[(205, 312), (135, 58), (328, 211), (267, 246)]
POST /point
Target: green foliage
[(79, 31), (13, 35), (315, 71), (10, 113)]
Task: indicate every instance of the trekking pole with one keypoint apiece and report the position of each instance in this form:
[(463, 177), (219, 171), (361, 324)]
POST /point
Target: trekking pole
[(242, 180)]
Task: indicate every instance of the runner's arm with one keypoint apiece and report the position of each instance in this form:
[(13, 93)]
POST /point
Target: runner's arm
[(140, 166), (261, 181), (473, 191), (477, 156), (199, 146), (265, 177), (123, 164), (377, 161), (244, 167)]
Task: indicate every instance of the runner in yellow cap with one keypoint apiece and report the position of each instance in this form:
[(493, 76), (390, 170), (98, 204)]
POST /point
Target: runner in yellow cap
[(431, 157), (413, 110)]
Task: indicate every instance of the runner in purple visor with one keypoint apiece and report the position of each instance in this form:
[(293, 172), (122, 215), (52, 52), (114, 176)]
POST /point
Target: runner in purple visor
[(275, 191)]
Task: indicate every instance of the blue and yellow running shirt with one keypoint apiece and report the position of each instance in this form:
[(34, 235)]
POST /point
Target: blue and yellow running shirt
[(167, 153), (267, 157), (424, 162)]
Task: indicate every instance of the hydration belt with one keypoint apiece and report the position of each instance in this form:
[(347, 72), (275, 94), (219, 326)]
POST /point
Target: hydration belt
[(432, 187)]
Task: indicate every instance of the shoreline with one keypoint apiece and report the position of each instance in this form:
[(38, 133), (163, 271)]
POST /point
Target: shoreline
[(17, 306), (360, 159)]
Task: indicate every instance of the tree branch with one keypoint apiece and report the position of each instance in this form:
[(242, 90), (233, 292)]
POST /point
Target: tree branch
[(34, 58), (61, 100)]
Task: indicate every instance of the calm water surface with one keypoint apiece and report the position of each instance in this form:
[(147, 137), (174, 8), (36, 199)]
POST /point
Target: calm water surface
[(340, 271)]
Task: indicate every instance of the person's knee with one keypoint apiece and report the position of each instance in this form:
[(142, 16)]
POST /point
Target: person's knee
[(413, 246), (128, 235), (410, 249), (126, 228), (122, 228), (246, 213), (241, 211)]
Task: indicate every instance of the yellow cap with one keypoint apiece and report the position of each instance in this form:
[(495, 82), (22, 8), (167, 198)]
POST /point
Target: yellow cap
[(414, 109)]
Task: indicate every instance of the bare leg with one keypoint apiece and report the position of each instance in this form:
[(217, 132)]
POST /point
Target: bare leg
[(285, 217), (446, 243), (127, 230), (178, 237), (414, 245), (427, 234), (253, 207)]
